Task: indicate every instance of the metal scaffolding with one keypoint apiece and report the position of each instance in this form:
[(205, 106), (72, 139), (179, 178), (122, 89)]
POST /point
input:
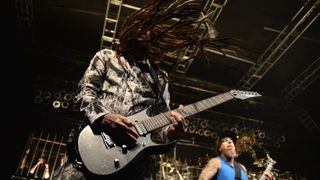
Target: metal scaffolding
[(185, 58), (111, 20), (307, 77), (307, 14), (307, 121)]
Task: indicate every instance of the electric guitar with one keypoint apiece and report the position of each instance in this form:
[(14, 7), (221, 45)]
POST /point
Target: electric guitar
[(103, 155), (271, 162)]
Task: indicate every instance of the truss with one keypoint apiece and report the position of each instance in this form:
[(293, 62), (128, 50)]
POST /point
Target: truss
[(185, 59), (288, 36), (309, 123), (111, 22), (307, 77)]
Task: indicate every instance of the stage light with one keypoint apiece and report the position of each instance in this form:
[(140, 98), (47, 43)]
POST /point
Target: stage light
[(57, 95), (192, 129), (204, 124), (282, 138), (67, 97), (38, 100), (206, 133), (214, 135), (235, 130), (47, 94), (65, 104), (262, 135), (200, 132), (56, 104)]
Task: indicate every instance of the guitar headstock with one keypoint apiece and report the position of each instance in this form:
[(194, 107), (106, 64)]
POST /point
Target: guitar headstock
[(270, 160), (244, 94)]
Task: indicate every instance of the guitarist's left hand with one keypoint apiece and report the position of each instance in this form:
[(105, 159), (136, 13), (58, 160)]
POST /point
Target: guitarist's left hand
[(178, 124), (269, 176)]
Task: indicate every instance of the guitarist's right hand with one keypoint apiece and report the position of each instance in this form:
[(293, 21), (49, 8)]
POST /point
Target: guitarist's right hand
[(121, 126)]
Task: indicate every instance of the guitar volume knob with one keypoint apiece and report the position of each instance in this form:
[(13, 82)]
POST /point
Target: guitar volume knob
[(116, 163), (124, 149)]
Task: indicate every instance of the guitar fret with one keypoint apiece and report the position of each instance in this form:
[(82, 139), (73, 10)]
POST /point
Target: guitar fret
[(165, 116), (212, 101), (145, 123), (164, 121), (160, 121), (153, 124), (150, 124), (204, 104), (157, 122), (218, 99)]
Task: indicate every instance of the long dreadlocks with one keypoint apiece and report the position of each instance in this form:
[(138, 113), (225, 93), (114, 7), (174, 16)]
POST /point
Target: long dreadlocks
[(165, 27)]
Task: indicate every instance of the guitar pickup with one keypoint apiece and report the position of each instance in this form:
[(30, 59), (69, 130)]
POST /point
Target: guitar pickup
[(107, 140), (140, 129)]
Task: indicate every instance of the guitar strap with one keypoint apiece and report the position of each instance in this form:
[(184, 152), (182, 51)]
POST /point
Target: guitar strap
[(160, 103), (237, 170), (160, 89)]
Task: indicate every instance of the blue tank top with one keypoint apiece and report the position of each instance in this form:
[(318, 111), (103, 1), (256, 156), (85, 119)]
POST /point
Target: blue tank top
[(227, 172)]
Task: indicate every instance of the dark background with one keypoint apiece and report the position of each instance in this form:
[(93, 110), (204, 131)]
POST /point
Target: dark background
[(50, 49)]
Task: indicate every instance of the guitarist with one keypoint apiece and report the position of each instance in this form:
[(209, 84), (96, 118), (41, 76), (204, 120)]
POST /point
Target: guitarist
[(122, 82), (117, 85), (224, 167)]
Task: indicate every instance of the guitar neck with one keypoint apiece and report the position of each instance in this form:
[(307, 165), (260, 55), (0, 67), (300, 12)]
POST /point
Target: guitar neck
[(267, 170), (162, 119)]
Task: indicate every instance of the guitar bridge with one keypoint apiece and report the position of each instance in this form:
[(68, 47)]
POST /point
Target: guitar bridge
[(107, 140)]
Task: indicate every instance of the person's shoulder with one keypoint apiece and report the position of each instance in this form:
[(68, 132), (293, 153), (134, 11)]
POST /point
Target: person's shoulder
[(105, 53), (215, 160), (243, 167), (213, 163)]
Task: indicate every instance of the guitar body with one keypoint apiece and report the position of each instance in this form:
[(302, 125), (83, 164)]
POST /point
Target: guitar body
[(101, 160)]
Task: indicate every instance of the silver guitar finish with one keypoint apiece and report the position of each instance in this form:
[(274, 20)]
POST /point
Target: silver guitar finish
[(100, 160)]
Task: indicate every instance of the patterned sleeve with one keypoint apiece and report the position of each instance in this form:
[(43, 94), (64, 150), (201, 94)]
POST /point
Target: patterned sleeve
[(91, 85), (162, 133)]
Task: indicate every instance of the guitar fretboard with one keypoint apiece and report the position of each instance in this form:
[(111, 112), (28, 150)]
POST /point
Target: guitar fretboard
[(162, 119)]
